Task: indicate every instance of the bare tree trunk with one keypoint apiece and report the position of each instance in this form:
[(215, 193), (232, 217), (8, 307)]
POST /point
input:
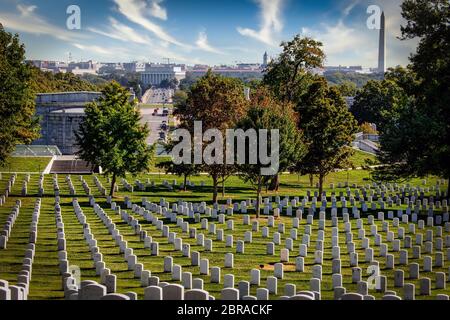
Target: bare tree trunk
[(448, 189), (311, 180), (258, 196), (223, 188), (215, 187), (321, 176), (113, 185), (275, 183), (185, 183)]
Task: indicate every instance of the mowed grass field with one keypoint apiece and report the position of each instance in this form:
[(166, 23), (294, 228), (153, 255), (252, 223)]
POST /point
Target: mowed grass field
[(46, 280), (25, 164)]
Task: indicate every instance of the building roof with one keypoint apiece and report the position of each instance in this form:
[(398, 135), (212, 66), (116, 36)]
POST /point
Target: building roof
[(70, 111), (69, 92)]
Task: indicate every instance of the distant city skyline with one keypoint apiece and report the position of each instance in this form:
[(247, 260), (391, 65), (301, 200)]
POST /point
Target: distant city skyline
[(204, 32)]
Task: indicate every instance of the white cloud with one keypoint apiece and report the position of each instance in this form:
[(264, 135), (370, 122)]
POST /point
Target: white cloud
[(95, 49), (202, 43), (134, 10), (132, 52), (28, 21), (397, 51), (352, 43), (157, 11), (338, 38), (26, 11), (271, 22), (342, 44), (120, 31), (349, 8)]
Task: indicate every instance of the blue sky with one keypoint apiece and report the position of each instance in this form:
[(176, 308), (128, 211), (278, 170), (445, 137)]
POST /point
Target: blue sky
[(202, 31)]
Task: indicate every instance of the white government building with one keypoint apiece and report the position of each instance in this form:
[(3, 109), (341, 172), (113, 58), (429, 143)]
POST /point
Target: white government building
[(155, 74)]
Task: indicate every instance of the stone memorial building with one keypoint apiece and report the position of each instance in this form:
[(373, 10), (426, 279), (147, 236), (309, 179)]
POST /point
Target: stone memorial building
[(61, 114)]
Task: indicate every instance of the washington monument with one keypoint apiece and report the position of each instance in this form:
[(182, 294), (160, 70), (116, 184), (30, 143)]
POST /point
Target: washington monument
[(382, 46)]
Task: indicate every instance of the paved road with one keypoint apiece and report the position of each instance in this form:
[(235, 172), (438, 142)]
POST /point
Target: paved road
[(154, 123), (158, 96)]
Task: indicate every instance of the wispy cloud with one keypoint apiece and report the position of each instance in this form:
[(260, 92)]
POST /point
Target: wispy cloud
[(27, 20), (352, 43), (271, 22), (133, 52), (349, 8), (120, 31), (134, 10), (202, 43), (95, 49), (157, 11), (337, 38), (341, 43)]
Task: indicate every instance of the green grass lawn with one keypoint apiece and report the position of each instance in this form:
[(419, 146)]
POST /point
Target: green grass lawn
[(46, 281), (25, 164), (359, 158)]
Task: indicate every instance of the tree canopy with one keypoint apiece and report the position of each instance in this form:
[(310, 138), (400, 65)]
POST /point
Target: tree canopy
[(266, 113), (347, 88), (219, 103), (18, 123), (377, 101), (288, 75), (47, 82), (112, 137), (328, 128), (417, 141)]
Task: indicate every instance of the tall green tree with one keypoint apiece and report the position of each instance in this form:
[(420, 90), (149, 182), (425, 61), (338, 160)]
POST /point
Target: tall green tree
[(288, 76), (377, 101), (405, 78), (328, 128), (269, 114), (179, 97), (112, 137), (217, 102), (417, 142), (18, 123)]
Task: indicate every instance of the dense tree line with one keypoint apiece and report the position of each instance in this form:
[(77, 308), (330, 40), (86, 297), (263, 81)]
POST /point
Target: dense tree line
[(314, 125), (360, 79), (48, 82), (125, 79)]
